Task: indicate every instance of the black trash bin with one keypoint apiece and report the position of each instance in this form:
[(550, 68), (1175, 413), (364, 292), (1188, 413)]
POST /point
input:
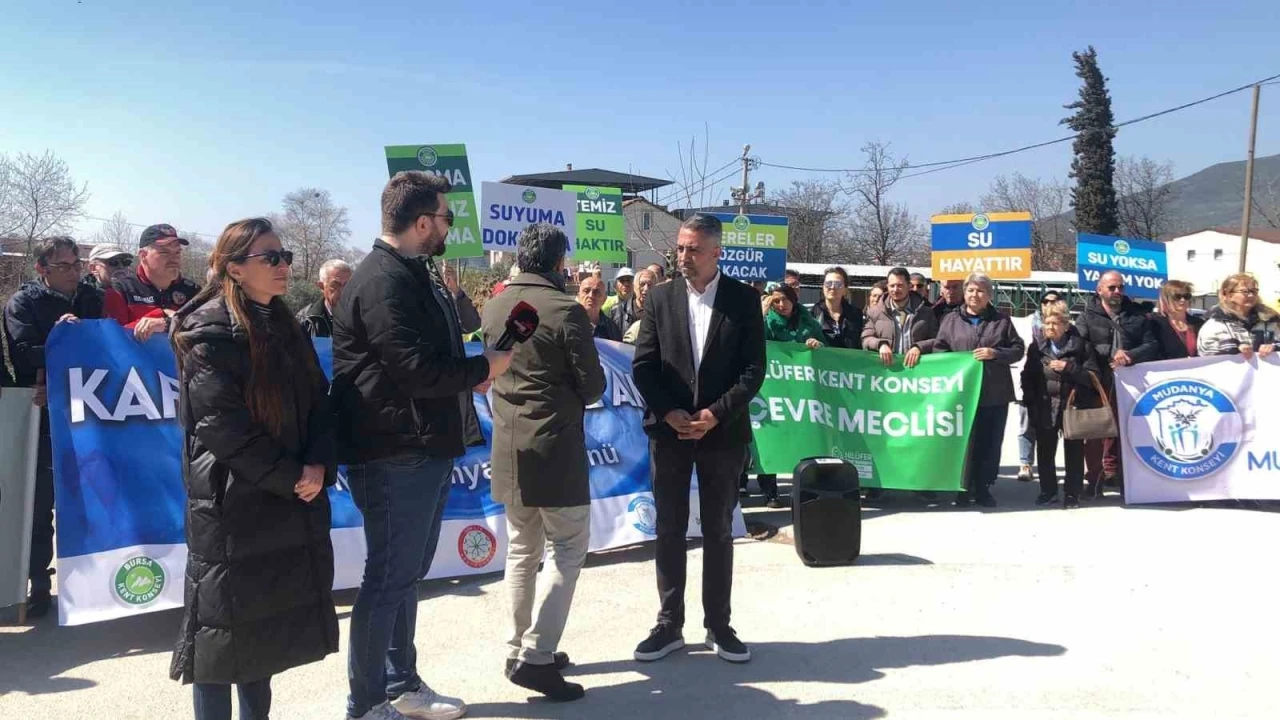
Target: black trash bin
[(826, 511)]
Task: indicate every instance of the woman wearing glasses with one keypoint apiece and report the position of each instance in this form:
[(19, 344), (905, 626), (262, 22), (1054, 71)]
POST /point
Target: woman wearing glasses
[(1240, 324), (257, 454), (841, 320), (1176, 329)]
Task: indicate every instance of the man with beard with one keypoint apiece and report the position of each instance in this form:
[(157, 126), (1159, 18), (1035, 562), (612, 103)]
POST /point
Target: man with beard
[(1121, 334), (146, 301), (107, 263), (402, 388)]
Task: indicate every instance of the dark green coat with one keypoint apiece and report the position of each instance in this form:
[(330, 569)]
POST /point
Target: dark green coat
[(539, 448), (776, 328)]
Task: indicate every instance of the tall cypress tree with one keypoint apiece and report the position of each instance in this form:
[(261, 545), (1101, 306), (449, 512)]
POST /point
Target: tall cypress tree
[(1094, 165)]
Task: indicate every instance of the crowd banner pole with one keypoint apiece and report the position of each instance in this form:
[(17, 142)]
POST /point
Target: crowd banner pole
[(19, 446)]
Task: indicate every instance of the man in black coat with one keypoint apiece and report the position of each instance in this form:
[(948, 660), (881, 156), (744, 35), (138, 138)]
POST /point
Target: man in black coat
[(699, 361), (57, 295), (402, 388), (1121, 334), (317, 318)]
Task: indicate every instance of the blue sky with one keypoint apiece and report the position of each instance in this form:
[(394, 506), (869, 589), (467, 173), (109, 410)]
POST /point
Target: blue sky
[(200, 115)]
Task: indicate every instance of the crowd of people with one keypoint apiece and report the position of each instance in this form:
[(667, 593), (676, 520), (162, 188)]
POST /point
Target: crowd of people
[(264, 431)]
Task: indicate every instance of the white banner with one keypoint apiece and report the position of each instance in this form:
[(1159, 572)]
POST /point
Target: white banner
[(508, 209), (1200, 429), (126, 581), (19, 447)]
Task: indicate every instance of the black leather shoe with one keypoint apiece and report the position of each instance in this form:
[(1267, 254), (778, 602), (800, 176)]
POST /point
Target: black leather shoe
[(560, 661), (546, 679), (1070, 501), (38, 605), (986, 501), (1046, 498), (662, 641)]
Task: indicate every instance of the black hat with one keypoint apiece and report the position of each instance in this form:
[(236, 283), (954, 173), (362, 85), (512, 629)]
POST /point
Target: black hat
[(157, 233), (1045, 297)]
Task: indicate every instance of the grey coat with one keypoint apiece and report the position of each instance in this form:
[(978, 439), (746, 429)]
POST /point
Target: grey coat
[(539, 454), (994, 330)]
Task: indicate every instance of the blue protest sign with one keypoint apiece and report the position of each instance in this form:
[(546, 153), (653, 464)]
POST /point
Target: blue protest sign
[(754, 247), (1142, 263)]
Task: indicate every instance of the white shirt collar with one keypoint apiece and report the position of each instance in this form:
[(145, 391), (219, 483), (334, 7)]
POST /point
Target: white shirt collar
[(710, 290)]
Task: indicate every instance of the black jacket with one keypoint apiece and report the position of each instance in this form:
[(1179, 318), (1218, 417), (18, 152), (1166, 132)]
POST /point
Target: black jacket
[(624, 313), (848, 334), (994, 330), (259, 562), (607, 329), (29, 317), (315, 320), (1171, 345), (732, 368), (1045, 392), (468, 316), (1131, 331), (401, 383)]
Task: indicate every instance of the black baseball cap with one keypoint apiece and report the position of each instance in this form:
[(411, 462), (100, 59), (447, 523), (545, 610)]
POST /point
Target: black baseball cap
[(158, 233)]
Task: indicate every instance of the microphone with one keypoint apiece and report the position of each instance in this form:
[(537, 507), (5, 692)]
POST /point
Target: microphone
[(521, 323)]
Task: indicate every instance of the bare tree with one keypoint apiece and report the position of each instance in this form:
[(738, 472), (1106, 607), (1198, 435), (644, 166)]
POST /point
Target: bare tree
[(39, 198), (816, 211), (1145, 194), (1052, 240), (116, 231), (314, 228), (960, 208), (195, 257), (879, 230)]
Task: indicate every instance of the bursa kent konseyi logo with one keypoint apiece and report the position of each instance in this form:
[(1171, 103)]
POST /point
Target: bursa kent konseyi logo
[(646, 514), (1185, 429), (139, 581)]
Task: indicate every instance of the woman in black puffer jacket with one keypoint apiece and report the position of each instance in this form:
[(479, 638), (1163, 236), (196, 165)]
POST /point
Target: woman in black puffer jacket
[(257, 454), (1058, 363)]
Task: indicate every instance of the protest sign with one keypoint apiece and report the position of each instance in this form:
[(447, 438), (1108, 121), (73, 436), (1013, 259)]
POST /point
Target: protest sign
[(902, 428), (754, 247), (1200, 429), (1142, 263), (602, 230), (19, 446), (117, 458), (449, 161), (995, 244), (509, 209)]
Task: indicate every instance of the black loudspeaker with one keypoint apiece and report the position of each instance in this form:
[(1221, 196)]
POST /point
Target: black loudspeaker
[(826, 512)]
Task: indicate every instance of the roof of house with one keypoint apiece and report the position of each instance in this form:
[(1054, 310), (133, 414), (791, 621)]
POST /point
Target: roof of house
[(626, 182), (1270, 235)]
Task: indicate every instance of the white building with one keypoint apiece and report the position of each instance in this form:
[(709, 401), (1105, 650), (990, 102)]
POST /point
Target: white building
[(1206, 257), (651, 232)]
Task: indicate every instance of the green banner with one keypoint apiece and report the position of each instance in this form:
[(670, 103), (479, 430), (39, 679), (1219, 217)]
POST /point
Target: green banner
[(902, 429), (451, 162), (602, 231)]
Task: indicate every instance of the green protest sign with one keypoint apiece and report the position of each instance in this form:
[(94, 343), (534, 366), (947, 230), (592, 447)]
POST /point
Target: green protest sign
[(602, 231), (449, 161), (903, 429)]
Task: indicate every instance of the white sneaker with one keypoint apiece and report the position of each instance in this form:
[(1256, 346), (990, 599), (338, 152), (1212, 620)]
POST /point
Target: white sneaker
[(382, 712), (426, 704)]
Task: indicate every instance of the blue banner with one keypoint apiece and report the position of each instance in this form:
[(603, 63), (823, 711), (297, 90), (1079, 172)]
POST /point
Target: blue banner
[(753, 247), (1142, 263), (113, 406)]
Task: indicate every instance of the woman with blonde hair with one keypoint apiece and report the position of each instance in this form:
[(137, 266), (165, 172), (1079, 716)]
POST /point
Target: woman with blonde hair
[(1177, 330), (1240, 324)]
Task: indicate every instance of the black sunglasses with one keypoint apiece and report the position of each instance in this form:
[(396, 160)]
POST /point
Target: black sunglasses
[(1186, 297), (273, 257), (119, 262), (448, 217)]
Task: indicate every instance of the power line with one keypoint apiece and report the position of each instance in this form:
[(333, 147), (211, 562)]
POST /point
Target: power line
[(690, 188), (700, 187), (959, 162)]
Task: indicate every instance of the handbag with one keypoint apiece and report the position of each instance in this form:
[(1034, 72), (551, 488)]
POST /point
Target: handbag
[(1089, 423)]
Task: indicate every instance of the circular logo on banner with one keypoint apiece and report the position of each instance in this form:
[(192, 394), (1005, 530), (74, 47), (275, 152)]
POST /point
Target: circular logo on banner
[(529, 196), (741, 223), (646, 514), (477, 546), (981, 221), (1185, 429), (427, 157), (179, 298), (593, 194), (1121, 247), (139, 581)]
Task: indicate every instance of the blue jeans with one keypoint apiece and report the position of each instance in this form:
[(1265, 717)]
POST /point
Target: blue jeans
[(402, 500), (1026, 438), (213, 700)]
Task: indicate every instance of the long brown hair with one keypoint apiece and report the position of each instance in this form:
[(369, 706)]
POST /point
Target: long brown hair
[(277, 352)]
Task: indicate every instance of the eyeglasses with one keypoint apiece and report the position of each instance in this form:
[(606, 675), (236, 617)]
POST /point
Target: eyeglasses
[(118, 262), (448, 217), (1248, 292), (833, 284), (66, 266), (1184, 297), (273, 257)]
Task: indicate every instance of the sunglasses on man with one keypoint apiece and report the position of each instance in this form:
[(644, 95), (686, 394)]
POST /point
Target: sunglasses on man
[(273, 257), (448, 217), (118, 263)]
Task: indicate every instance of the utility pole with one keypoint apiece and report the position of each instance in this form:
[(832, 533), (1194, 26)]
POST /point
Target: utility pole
[(744, 194), (1248, 179)]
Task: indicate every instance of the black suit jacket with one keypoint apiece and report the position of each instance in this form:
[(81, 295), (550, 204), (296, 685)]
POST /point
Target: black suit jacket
[(732, 367)]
